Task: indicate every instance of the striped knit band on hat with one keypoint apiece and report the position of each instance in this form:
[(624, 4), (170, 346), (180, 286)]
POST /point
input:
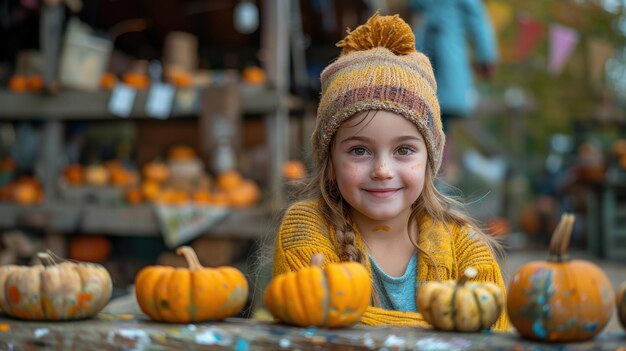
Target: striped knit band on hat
[(379, 69)]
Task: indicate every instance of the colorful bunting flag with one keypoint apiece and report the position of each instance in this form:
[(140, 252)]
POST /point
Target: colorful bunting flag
[(529, 33), (563, 40)]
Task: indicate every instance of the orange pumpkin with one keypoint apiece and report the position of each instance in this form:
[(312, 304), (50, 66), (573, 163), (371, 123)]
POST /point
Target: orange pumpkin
[(253, 75), (181, 79), (122, 177), (134, 196), (172, 196), (560, 300), (498, 226), (35, 82), (294, 170), (74, 174), (181, 152), (190, 295), (245, 195), (150, 190), (333, 297), (18, 83), (97, 175), (27, 191), (54, 291), (203, 197), (228, 180), (108, 81), (90, 248), (156, 171), (135, 80)]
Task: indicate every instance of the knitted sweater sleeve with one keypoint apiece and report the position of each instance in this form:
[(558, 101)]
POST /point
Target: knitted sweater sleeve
[(302, 232), (470, 251)]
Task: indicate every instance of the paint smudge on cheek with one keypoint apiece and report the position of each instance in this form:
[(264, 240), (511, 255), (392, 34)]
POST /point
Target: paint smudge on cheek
[(383, 228), (417, 166)]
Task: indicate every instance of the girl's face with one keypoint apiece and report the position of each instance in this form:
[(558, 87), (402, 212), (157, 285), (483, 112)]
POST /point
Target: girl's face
[(379, 163)]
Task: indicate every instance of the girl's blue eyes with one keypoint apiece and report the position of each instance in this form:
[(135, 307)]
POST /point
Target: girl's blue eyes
[(361, 151)]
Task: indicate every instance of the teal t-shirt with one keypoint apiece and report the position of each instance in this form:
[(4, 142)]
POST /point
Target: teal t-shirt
[(396, 293)]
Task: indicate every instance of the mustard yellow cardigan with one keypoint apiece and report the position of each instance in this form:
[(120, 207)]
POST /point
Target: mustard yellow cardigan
[(304, 231)]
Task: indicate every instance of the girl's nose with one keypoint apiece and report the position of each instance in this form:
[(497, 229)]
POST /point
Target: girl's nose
[(381, 170)]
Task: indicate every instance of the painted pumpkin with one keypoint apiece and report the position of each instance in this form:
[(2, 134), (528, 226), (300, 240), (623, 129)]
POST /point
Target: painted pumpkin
[(560, 300), (333, 297), (461, 305), (54, 291), (189, 295), (621, 304)]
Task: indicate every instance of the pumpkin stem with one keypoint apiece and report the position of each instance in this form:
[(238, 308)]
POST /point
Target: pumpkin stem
[(317, 260), (190, 257), (469, 273), (46, 259), (561, 238)]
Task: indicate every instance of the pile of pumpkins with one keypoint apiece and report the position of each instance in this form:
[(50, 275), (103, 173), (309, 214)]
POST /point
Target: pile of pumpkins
[(179, 180), (559, 300)]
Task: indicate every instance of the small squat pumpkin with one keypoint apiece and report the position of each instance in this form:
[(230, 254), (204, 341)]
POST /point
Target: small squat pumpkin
[(621, 304), (333, 297), (461, 305), (54, 291), (190, 295), (560, 300)]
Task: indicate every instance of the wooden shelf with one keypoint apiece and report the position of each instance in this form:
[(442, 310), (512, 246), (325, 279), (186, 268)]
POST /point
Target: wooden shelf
[(138, 221), (74, 105)]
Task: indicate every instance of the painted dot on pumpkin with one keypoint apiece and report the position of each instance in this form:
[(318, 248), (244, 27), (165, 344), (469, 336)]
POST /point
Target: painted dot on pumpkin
[(165, 304)]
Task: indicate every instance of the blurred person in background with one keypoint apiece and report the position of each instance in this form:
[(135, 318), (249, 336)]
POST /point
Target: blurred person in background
[(458, 38)]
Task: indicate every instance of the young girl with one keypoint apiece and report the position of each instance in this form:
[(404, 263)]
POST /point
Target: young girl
[(377, 148)]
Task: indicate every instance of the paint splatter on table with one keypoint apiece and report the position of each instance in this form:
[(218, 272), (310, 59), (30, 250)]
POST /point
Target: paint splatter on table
[(123, 327)]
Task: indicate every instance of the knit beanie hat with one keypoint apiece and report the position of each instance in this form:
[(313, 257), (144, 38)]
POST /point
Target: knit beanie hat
[(379, 69)]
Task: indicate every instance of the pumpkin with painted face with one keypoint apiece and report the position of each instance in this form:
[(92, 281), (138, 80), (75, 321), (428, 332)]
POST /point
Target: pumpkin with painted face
[(333, 297), (54, 291), (560, 300)]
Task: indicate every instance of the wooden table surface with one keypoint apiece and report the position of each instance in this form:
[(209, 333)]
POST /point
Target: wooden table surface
[(124, 328)]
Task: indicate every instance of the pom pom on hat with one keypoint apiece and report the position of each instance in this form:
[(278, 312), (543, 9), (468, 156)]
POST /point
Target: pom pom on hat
[(389, 32), (379, 69)]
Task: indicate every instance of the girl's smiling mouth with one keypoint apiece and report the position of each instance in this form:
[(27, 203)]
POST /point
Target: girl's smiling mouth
[(382, 193)]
